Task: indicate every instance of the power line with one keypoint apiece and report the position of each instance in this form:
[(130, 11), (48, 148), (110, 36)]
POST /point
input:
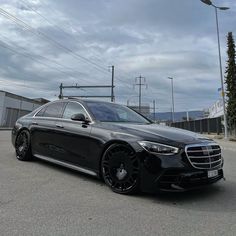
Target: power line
[(48, 21), (19, 84), (4, 45), (36, 32), (42, 57), (15, 83), (54, 25), (39, 33)]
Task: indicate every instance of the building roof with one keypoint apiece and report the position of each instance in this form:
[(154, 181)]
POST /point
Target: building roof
[(12, 95), (41, 100)]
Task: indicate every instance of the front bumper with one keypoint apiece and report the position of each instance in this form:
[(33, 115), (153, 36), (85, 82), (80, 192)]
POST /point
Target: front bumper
[(173, 173), (182, 180)]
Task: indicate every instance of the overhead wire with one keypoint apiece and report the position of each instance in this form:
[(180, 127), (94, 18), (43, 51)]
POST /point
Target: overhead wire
[(39, 33), (36, 32), (6, 83), (4, 45), (59, 28), (43, 57), (25, 55)]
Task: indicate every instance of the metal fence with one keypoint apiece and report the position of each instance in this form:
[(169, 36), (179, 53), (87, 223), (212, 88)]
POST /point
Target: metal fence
[(208, 125)]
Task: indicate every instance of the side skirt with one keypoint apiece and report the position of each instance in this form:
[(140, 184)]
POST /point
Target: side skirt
[(70, 166)]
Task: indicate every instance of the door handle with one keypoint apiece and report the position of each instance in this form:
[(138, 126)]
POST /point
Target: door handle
[(59, 126), (34, 123)]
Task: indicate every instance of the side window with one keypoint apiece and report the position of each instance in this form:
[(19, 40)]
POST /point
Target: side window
[(73, 108), (52, 110), (41, 112), (122, 114)]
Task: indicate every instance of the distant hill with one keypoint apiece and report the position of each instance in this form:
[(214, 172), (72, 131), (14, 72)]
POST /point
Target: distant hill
[(165, 116)]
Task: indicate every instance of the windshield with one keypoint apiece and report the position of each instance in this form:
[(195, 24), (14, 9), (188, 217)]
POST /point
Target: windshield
[(109, 112)]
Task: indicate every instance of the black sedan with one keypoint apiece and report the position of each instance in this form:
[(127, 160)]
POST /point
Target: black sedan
[(117, 144)]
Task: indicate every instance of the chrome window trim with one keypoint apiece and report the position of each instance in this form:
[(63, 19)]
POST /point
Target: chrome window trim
[(39, 109), (45, 105), (61, 118), (90, 118)]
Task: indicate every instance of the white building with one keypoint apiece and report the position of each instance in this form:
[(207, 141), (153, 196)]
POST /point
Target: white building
[(216, 110), (13, 106)]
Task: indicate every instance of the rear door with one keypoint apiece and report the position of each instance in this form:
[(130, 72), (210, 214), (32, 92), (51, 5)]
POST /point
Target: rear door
[(46, 130)]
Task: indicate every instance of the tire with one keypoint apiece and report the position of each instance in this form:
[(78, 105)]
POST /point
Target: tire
[(120, 169), (23, 146)]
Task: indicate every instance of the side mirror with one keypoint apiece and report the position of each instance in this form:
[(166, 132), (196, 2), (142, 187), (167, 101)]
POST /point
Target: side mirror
[(79, 117)]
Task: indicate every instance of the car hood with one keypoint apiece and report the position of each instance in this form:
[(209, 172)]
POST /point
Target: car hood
[(159, 133)]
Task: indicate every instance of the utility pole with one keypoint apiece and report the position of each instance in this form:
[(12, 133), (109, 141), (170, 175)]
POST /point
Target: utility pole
[(173, 103), (154, 110), (187, 115), (60, 95), (112, 83), (140, 81)]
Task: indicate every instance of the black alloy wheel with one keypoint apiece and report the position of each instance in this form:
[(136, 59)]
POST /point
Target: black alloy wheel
[(120, 169), (22, 146)]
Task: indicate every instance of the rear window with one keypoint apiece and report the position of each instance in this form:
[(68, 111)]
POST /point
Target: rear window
[(52, 110)]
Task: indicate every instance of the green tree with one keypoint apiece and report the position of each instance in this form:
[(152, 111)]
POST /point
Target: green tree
[(230, 80)]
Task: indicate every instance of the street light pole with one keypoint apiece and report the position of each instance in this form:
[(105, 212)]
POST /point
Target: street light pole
[(221, 75), (173, 104), (208, 2)]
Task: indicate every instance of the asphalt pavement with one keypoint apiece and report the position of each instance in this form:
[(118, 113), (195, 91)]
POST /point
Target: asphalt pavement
[(38, 198)]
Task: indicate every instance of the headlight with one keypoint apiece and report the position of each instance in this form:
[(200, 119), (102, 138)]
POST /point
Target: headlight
[(158, 148)]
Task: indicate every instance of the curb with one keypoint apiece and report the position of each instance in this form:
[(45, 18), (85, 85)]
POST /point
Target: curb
[(4, 129)]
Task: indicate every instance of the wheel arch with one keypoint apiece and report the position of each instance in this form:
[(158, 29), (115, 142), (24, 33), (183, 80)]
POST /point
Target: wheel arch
[(105, 148), (19, 131)]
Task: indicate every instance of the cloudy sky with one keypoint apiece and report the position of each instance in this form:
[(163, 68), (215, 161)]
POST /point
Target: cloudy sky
[(45, 42)]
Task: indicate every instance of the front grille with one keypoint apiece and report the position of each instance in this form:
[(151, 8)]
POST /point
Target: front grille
[(204, 156)]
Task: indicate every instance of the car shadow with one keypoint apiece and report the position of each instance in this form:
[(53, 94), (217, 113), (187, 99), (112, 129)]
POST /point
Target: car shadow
[(71, 172), (219, 197)]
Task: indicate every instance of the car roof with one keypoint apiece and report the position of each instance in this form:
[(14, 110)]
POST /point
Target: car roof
[(83, 100)]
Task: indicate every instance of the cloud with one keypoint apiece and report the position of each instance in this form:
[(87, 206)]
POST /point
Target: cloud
[(155, 38)]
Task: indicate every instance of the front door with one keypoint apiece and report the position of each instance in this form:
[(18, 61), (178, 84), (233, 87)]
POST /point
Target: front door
[(76, 136)]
